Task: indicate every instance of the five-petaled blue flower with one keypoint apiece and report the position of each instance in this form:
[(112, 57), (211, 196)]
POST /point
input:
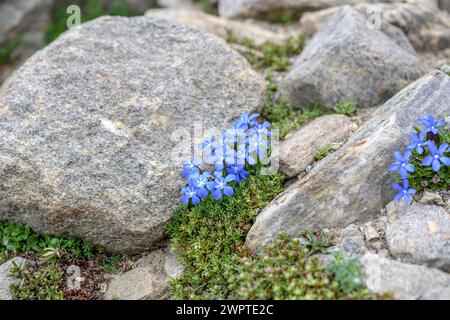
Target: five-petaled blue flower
[(431, 124), (403, 192), (243, 155), (258, 144), (191, 167), (199, 181), (436, 156), (219, 186), (238, 171), (401, 164), (261, 129), (190, 192), (246, 121), (417, 142)]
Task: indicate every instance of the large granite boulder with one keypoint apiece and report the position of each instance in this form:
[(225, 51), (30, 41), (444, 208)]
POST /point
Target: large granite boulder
[(348, 60), (353, 184), (87, 124)]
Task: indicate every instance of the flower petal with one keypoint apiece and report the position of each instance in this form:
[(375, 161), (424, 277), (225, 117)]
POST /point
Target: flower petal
[(445, 160), (427, 161), (228, 191), (436, 165)]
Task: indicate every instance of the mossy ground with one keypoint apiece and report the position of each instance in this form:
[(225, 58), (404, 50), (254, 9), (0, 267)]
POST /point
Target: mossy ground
[(209, 240), (51, 256), (270, 55)]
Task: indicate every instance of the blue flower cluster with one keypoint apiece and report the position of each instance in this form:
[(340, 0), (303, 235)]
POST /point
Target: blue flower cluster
[(230, 156), (435, 156)]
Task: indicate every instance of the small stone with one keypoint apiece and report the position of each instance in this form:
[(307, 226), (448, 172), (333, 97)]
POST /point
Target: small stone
[(6, 280), (298, 152), (149, 280), (404, 281), (431, 198), (419, 234), (352, 241), (370, 233)]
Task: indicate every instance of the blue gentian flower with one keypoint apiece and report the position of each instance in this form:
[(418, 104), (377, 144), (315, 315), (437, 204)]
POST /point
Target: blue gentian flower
[(238, 171), (431, 124), (199, 181), (261, 129), (246, 121), (219, 186), (191, 167), (243, 155), (190, 192), (403, 192), (401, 164), (207, 142), (258, 144), (235, 134), (436, 156), (417, 142)]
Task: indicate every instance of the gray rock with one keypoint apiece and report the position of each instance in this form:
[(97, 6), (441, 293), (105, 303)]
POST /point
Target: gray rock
[(444, 5), (347, 60), (258, 8), (404, 281), (353, 184), (419, 234), (20, 16), (22, 26), (297, 152), (352, 241), (87, 126), (431, 198), (427, 28), (149, 280), (6, 280), (221, 27)]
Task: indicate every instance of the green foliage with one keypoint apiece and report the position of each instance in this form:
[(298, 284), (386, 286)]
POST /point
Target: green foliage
[(208, 6), (17, 238), (42, 284), (271, 55), (288, 270), (282, 114), (207, 236), (315, 242), (424, 177), (112, 264), (7, 50), (282, 16), (348, 273), (323, 152), (90, 9), (347, 107)]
